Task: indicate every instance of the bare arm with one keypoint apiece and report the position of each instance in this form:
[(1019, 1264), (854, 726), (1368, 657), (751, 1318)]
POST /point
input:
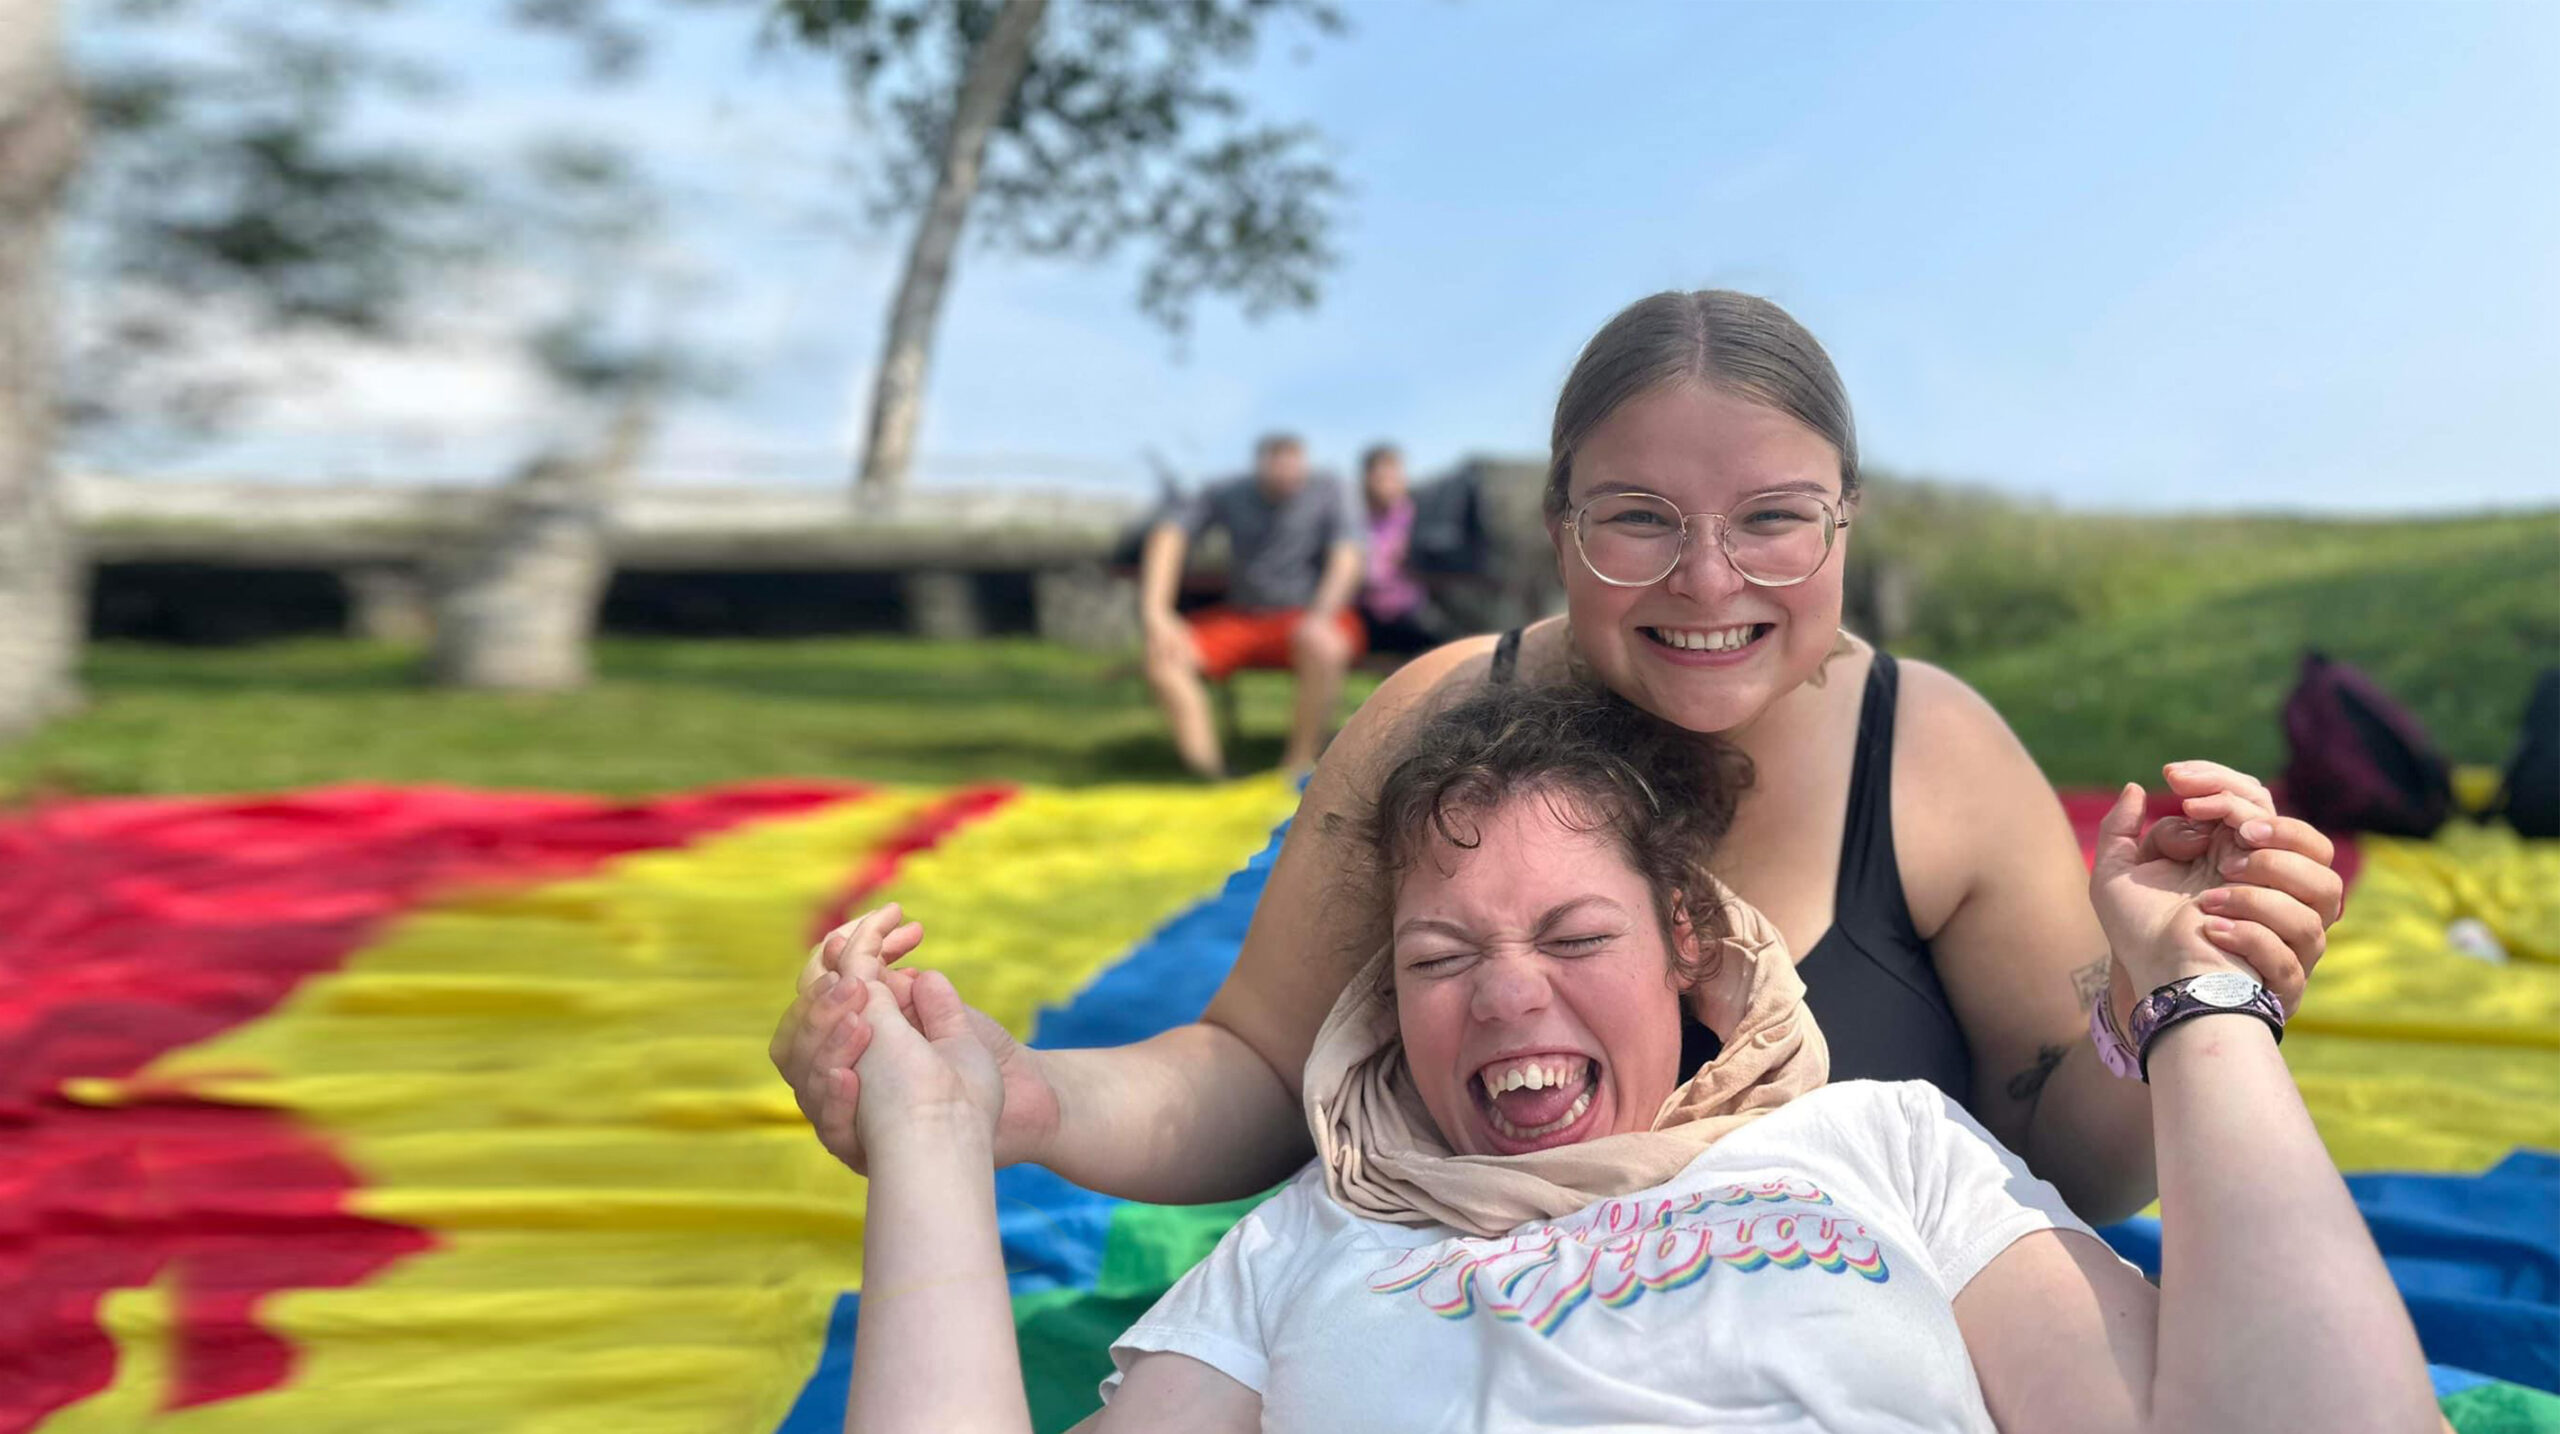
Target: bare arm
[(936, 1349), (2274, 1309), (2019, 947), (1183, 1118), (1167, 1393), (1340, 583)]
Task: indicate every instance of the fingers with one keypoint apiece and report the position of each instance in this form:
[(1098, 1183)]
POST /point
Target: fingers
[(871, 940), (806, 1020), (2267, 954), (883, 1010), (2293, 927), (839, 1031), (2120, 831), (939, 1011), (2176, 839), (2197, 779), (2310, 882), (902, 984), (839, 1105), (901, 942), (2225, 808), (2291, 834)]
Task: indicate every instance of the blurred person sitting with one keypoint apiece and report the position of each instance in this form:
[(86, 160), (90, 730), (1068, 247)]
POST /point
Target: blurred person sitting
[(1393, 602), (1293, 567)]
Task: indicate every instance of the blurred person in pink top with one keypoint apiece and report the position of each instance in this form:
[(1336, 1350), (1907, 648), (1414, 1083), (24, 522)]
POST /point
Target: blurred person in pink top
[(1393, 602)]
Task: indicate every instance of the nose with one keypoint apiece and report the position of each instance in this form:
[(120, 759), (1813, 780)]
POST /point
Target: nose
[(1508, 988), (1704, 573)]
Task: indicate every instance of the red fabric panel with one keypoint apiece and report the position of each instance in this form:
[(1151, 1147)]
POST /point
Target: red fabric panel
[(929, 827), (129, 928)]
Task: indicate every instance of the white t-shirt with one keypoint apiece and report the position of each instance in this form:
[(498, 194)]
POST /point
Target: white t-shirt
[(1799, 1275)]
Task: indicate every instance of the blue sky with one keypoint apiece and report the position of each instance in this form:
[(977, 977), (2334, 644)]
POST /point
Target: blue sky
[(2296, 256)]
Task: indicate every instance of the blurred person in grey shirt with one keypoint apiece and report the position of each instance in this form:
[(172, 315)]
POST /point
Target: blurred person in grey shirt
[(1294, 566)]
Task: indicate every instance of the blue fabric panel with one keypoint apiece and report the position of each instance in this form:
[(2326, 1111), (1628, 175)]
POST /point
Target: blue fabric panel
[(2477, 1257), (820, 1407), (1170, 977)]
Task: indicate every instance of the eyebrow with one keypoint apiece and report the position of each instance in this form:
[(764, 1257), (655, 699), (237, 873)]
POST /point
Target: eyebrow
[(1432, 925), (1799, 485)]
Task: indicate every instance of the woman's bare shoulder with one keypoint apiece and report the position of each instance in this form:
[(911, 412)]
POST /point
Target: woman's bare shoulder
[(1943, 725), (1964, 783), (1437, 677)]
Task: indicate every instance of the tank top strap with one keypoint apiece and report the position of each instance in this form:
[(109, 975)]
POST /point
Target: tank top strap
[(1869, 893), (1506, 658)]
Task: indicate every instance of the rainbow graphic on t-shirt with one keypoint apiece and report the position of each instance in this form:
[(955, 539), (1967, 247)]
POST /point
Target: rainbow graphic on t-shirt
[(1619, 1250)]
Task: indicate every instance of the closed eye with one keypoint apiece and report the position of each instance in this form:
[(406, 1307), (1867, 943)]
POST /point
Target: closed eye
[(1579, 943)]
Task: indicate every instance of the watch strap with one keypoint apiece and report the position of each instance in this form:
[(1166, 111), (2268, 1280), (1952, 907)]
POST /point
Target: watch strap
[(2182, 1000)]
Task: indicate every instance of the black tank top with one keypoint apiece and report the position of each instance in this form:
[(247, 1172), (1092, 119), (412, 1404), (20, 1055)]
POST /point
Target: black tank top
[(1870, 980)]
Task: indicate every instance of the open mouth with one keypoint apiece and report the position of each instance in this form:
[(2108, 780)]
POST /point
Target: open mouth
[(1732, 638), (1532, 1102)]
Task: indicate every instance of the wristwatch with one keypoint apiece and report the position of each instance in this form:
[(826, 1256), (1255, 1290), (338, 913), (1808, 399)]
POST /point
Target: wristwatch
[(2166, 1007)]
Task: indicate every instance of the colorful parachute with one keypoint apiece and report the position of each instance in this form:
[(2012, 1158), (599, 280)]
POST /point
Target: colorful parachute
[(426, 1110)]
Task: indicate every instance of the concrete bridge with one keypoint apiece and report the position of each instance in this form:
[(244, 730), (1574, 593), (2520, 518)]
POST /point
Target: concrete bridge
[(224, 560)]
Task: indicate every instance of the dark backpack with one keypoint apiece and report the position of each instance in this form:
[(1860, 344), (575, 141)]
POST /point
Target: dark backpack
[(2530, 796), (2361, 761)]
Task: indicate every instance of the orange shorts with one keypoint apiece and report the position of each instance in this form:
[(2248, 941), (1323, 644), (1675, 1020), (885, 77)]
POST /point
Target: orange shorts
[(1231, 640)]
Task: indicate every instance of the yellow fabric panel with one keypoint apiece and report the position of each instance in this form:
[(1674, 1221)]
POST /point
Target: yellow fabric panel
[(1025, 908), (568, 1086), (2413, 1055)]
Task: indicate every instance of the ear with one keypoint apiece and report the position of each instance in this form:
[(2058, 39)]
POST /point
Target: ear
[(1684, 943), (1555, 541)]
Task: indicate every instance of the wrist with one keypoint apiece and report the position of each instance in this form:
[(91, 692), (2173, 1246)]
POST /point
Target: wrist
[(2204, 1037), (952, 1130)]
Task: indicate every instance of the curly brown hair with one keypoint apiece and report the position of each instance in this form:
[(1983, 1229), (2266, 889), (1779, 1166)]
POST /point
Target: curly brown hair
[(1665, 795)]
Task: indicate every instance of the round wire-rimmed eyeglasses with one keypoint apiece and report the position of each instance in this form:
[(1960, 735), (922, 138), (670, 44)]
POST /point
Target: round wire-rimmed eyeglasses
[(1773, 540)]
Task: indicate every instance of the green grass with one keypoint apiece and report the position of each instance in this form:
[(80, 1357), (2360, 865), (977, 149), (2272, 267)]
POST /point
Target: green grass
[(2456, 630), (663, 714), (2111, 644)]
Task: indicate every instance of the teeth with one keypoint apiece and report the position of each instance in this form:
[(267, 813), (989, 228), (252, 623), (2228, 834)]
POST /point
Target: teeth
[(1530, 1076), (1722, 639)]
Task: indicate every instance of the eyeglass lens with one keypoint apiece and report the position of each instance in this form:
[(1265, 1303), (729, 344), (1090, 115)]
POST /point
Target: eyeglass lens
[(1635, 538)]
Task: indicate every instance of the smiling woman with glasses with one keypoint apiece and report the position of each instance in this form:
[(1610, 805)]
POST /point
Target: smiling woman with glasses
[(1703, 471)]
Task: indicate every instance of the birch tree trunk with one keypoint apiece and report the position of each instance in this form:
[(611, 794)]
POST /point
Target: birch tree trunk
[(42, 578), (518, 612), (995, 70)]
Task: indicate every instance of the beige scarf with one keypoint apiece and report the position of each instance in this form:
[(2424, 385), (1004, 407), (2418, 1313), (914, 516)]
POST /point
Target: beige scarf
[(1385, 1159)]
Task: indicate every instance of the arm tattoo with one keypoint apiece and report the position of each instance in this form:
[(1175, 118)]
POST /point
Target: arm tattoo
[(2090, 982), (2027, 1084)]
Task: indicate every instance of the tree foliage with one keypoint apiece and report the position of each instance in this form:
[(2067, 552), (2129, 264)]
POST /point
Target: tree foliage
[(262, 171), (1127, 133)]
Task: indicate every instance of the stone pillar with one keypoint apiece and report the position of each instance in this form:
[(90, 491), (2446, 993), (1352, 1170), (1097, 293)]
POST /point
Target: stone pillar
[(388, 602), (943, 605), (1086, 606)]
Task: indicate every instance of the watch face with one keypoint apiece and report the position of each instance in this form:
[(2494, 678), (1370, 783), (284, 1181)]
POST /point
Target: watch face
[(2223, 988)]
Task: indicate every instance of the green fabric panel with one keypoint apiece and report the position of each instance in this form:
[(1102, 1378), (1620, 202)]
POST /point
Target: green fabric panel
[(1151, 1246), (2502, 1409), (1065, 1335)]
